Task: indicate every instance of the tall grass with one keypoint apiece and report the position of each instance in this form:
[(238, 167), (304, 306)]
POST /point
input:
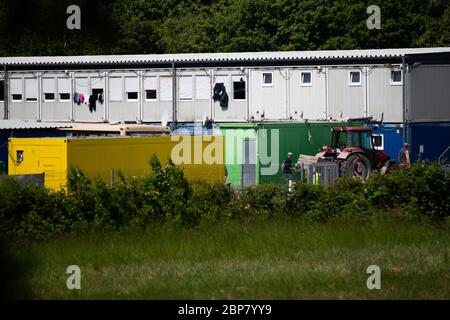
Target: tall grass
[(279, 258)]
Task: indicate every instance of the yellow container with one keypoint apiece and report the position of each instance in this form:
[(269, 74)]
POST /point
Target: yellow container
[(200, 156)]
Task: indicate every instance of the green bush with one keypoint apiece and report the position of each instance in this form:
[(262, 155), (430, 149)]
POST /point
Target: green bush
[(28, 210), (209, 203), (263, 200), (345, 199), (165, 197), (422, 190)]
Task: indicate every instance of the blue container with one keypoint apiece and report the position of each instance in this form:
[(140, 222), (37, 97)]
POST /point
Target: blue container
[(391, 138), (429, 140)]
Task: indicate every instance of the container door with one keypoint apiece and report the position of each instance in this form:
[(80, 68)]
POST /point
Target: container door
[(51, 166), (249, 162)]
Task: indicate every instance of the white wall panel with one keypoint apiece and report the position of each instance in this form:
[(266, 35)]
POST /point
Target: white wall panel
[(15, 86), (307, 101), (115, 89), (64, 85), (48, 85), (185, 87), (31, 88), (165, 88), (203, 90), (131, 84)]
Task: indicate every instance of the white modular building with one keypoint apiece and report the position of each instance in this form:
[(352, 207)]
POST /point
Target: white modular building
[(400, 87), (313, 85)]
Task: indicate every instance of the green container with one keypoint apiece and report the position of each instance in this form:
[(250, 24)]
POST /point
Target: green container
[(296, 137)]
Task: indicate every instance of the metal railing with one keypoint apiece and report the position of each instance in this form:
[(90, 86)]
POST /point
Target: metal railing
[(321, 173), (441, 157)]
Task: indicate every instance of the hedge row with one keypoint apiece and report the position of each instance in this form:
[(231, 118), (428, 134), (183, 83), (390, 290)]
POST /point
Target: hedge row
[(165, 197)]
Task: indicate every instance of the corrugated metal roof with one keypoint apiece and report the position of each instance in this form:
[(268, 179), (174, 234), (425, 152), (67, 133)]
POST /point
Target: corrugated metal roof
[(22, 124), (106, 127), (220, 57)]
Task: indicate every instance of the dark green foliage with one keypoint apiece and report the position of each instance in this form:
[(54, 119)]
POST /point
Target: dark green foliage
[(165, 197), (13, 273), (30, 210), (166, 191), (38, 27), (265, 199), (209, 203), (422, 190)]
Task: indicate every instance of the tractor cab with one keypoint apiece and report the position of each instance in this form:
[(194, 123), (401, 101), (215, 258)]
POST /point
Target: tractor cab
[(353, 139)]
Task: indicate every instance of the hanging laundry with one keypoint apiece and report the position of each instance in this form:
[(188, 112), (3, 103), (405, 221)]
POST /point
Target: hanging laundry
[(100, 98), (220, 94), (76, 98), (81, 98), (92, 102)]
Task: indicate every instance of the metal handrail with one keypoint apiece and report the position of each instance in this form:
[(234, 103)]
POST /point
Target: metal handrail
[(442, 154)]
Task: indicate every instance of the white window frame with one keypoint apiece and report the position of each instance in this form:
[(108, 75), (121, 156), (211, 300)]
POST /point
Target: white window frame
[(147, 88), (354, 84), (59, 92), (126, 90), (264, 84), (132, 99), (395, 83), (306, 84), (49, 100), (154, 99), (24, 96), (63, 100), (54, 89), (12, 92), (382, 141)]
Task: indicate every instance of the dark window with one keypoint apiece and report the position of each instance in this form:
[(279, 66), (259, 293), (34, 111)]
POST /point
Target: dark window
[(132, 95), (239, 89), (267, 78), (355, 77), (31, 99), (306, 78), (97, 91), (377, 141), (19, 156), (64, 96), (2, 90), (49, 96), (16, 97), (396, 76), (150, 94)]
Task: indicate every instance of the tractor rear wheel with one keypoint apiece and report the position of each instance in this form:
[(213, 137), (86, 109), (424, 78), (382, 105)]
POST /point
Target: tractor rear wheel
[(356, 165)]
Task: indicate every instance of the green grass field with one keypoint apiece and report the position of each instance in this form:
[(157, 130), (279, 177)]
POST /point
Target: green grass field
[(272, 259)]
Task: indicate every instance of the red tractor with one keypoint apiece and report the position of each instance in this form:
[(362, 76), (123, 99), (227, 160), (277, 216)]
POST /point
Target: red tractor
[(352, 148)]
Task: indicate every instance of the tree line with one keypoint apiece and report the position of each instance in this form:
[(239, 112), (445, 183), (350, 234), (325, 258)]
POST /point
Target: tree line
[(38, 27)]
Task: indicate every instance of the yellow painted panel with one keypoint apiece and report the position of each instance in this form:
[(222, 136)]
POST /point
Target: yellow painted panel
[(39, 155), (131, 155), (202, 156)]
